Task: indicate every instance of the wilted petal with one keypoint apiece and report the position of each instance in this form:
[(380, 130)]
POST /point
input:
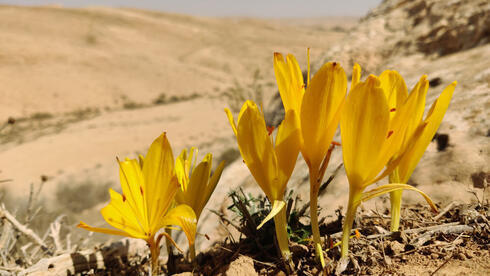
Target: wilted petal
[(277, 206), (387, 188)]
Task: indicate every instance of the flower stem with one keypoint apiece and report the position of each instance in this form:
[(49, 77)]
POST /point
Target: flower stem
[(155, 254), (192, 252), (396, 205), (280, 223), (314, 222), (354, 195)]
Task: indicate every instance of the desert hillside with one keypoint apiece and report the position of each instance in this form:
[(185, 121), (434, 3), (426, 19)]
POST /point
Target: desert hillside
[(58, 60), (87, 85)]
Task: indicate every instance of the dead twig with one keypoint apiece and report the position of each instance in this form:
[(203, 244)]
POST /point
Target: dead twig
[(445, 210), (22, 228), (10, 268), (54, 233), (71, 263), (412, 231), (443, 229)]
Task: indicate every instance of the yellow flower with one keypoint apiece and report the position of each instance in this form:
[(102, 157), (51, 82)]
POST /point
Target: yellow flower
[(270, 162), (371, 136), (414, 143), (148, 189), (196, 182), (319, 110)]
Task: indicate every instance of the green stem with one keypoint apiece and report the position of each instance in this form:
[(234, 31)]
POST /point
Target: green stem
[(314, 221), (280, 223), (396, 201), (354, 195), (396, 205)]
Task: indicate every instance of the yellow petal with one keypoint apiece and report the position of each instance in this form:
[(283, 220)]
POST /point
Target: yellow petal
[(287, 147), (197, 187), (133, 188), (392, 168), (289, 81), (356, 76), (83, 225), (418, 95), (141, 160), (160, 179), (396, 135), (363, 127), (320, 111), (212, 184), (182, 170), (394, 88), (384, 189), (433, 120), (231, 120), (182, 216), (121, 215), (277, 205), (257, 150)]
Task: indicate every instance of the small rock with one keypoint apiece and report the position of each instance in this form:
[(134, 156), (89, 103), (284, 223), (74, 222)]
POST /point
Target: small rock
[(442, 141), (396, 247), (461, 257), (299, 250), (479, 179), (184, 274), (469, 254), (435, 82), (388, 260), (243, 266), (434, 255)]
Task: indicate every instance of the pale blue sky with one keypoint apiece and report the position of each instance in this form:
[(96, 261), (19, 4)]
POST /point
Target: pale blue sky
[(260, 8)]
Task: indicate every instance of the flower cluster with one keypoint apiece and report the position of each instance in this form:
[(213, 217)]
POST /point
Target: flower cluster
[(156, 195), (383, 133)]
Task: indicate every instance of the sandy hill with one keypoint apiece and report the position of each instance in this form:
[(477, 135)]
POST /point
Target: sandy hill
[(83, 83), (56, 60)]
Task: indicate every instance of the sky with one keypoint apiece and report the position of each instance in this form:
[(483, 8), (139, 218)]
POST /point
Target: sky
[(253, 8)]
